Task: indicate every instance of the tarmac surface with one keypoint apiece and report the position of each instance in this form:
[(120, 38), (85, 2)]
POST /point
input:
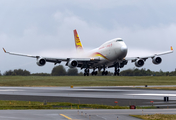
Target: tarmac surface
[(79, 115), (92, 95), (126, 95)]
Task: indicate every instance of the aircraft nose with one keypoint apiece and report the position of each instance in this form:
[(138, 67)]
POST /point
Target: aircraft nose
[(124, 49)]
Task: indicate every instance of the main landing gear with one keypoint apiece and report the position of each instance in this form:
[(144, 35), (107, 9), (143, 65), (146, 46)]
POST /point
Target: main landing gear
[(105, 73), (94, 73), (86, 72)]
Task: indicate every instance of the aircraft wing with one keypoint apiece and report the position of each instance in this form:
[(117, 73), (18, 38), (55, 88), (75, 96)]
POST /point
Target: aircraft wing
[(133, 59), (81, 62)]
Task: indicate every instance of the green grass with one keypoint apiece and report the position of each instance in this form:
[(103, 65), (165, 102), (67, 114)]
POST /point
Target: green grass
[(85, 81), (4, 105), (156, 117), (12, 104), (158, 88)]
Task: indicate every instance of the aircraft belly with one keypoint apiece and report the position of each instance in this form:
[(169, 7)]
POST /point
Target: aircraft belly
[(102, 63)]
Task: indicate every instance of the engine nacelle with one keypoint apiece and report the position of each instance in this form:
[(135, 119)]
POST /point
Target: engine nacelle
[(72, 63), (41, 62), (156, 60), (139, 63)]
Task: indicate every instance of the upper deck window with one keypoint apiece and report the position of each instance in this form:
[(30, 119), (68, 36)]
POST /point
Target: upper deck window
[(119, 40)]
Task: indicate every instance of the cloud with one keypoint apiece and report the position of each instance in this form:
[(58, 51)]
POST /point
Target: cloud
[(91, 4), (3, 38), (46, 28)]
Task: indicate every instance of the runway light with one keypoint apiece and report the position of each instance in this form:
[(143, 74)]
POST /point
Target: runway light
[(116, 102), (152, 102)]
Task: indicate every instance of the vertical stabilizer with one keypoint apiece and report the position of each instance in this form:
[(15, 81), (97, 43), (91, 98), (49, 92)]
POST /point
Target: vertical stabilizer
[(78, 44)]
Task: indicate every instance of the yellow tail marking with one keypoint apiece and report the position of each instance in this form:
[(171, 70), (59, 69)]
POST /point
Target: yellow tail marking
[(77, 41)]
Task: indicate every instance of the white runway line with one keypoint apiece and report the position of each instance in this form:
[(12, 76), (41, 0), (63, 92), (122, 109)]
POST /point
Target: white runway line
[(155, 94), (10, 90)]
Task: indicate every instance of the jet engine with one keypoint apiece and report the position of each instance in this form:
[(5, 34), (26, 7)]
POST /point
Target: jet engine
[(156, 60), (41, 62), (139, 63), (72, 63)]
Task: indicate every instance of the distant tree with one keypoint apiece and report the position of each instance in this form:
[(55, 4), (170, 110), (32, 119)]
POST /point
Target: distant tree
[(136, 72), (8, 73), (17, 72), (167, 73), (72, 72), (41, 74), (128, 72), (81, 74), (173, 73), (0, 73), (58, 71)]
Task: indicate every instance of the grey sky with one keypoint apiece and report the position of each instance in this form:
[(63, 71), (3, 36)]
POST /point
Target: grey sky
[(45, 27)]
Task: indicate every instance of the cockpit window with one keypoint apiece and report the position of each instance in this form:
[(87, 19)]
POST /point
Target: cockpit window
[(118, 40)]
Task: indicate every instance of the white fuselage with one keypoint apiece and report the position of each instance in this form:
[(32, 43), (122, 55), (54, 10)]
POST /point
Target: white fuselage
[(110, 52)]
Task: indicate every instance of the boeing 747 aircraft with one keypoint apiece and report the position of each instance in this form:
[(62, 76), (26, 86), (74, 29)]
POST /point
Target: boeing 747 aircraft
[(110, 54)]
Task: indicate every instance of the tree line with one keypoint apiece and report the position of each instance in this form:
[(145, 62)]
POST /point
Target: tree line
[(56, 71), (144, 72), (61, 71)]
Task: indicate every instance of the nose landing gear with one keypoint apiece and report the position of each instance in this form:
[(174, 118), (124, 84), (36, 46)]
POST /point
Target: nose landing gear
[(117, 71)]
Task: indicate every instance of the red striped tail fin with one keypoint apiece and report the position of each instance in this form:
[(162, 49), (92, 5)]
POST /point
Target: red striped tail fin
[(78, 44)]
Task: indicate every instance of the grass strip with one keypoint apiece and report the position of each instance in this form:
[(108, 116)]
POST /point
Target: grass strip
[(86, 81), (4, 105), (156, 117), (17, 105), (158, 88)]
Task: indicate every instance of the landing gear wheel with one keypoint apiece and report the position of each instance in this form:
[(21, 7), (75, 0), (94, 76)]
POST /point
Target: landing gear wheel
[(104, 72), (86, 72), (94, 73), (117, 72)]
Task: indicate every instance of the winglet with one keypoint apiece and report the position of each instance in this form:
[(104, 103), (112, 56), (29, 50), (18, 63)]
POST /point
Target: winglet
[(172, 48), (4, 50)]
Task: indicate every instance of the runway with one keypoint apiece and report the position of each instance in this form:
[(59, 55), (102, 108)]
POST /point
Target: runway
[(127, 95)]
